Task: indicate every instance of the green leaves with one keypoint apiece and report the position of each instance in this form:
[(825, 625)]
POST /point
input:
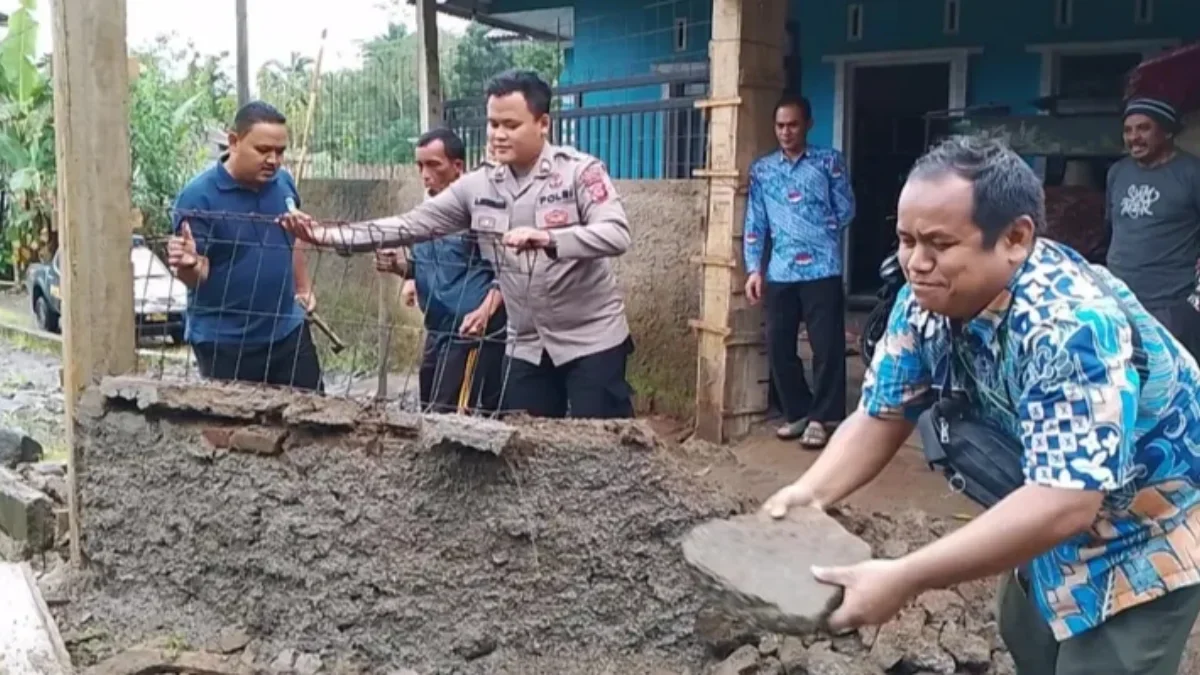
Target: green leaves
[(18, 52), (172, 110)]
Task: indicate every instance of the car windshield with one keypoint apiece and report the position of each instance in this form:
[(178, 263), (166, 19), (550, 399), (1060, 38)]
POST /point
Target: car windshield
[(146, 265)]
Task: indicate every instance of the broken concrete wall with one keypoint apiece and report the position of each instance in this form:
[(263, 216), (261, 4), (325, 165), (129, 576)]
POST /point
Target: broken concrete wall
[(660, 281), (376, 537)]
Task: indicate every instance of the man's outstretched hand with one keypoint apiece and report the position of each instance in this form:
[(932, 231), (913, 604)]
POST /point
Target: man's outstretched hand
[(795, 495), (302, 226)]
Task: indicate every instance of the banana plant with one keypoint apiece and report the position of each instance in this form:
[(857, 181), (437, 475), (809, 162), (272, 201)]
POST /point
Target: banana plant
[(27, 160)]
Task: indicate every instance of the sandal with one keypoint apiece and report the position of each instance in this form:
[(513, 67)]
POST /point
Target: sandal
[(814, 437)]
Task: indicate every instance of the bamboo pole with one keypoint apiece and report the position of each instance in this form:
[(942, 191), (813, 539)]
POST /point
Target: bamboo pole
[(314, 91)]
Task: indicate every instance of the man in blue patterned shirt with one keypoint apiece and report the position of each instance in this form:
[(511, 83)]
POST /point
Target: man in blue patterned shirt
[(1100, 549), (800, 199)]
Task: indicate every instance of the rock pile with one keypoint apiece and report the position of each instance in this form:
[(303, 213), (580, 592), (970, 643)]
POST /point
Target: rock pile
[(33, 498), (946, 631)]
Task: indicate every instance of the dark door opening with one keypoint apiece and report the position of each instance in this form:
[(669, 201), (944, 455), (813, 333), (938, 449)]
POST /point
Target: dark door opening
[(888, 135)]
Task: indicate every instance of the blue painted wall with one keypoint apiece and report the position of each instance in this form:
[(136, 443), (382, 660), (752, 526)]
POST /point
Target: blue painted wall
[(620, 38), (617, 39), (1004, 73)]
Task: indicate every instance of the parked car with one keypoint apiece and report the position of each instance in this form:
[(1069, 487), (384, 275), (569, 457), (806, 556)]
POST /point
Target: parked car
[(159, 299)]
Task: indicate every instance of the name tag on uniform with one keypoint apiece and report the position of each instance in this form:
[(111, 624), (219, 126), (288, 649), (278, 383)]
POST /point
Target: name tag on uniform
[(489, 216), (489, 222)]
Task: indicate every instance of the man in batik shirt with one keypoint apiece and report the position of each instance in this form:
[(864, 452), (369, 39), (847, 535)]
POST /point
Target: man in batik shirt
[(1099, 550), (800, 198)]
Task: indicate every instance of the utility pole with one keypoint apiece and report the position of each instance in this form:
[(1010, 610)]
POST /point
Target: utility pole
[(243, 55), (94, 208), (429, 66)]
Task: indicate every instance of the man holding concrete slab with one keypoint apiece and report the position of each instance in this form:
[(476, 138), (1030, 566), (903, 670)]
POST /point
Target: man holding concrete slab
[(1093, 400)]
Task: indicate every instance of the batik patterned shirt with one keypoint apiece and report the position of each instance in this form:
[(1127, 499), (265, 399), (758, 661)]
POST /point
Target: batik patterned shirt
[(1050, 363), (803, 206)]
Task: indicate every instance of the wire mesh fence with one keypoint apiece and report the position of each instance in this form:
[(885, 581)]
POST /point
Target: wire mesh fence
[(420, 327)]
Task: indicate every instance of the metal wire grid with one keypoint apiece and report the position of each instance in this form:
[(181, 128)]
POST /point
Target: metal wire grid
[(368, 344)]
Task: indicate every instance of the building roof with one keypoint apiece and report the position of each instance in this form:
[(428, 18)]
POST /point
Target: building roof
[(556, 24)]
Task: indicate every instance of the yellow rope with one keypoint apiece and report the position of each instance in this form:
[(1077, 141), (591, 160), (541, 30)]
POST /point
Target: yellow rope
[(464, 392)]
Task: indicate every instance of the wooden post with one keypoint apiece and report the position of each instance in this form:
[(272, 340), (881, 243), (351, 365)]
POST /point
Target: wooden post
[(91, 115), (746, 78), (429, 65)]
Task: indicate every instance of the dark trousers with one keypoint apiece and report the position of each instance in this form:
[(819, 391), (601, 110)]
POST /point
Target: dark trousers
[(591, 387), (1183, 321), (444, 367), (821, 306), (289, 362), (1144, 640)]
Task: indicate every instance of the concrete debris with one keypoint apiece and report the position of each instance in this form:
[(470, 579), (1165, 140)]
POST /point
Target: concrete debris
[(231, 639), (950, 632), (49, 478), (763, 567), (385, 542), (285, 662), (18, 448), (27, 523), (450, 432), (744, 661), (533, 543), (307, 664), (258, 440)]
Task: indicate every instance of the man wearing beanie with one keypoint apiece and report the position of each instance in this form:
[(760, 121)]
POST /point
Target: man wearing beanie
[(1153, 210)]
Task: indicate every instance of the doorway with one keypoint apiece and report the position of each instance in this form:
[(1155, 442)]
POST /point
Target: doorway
[(887, 134)]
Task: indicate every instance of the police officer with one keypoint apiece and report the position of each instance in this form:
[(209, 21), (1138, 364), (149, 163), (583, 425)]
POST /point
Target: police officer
[(549, 219)]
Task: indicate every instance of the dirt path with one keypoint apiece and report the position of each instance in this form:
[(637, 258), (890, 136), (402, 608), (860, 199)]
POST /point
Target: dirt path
[(766, 464)]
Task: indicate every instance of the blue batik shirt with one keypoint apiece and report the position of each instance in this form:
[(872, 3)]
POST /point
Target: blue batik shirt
[(1050, 362), (804, 206)]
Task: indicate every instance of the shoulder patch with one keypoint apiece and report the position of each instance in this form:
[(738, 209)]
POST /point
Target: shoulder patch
[(595, 179), (567, 152)]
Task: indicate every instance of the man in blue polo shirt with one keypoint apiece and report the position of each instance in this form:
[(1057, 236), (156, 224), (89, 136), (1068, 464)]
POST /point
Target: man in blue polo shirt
[(249, 288)]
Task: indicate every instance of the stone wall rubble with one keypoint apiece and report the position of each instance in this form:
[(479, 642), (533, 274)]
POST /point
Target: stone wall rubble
[(360, 535), (264, 532), (33, 498)]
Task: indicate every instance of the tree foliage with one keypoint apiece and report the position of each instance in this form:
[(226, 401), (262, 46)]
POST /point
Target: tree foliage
[(174, 113), (369, 115), (27, 175), (180, 99)]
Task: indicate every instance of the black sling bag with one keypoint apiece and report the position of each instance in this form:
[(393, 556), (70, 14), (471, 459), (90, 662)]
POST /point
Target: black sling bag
[(979, 460)]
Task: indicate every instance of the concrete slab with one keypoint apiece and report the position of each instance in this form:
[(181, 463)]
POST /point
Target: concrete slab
[(761, 568), (26, 515), (29, 639)]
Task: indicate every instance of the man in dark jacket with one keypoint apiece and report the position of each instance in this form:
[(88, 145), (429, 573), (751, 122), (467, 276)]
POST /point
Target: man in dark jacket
[(465, 322)]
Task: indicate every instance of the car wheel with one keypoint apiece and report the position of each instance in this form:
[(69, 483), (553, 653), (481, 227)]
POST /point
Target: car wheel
[(47, 319)]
